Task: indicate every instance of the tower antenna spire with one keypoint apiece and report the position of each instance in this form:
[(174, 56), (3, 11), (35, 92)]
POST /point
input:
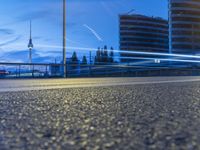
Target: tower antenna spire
[(30, 44), (30, 29)]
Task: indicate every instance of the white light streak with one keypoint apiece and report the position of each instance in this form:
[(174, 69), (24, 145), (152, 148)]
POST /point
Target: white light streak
[(138, 52), (93, 32)]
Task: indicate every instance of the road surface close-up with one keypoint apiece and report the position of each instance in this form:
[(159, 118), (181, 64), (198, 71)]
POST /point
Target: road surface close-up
[(100, 113)]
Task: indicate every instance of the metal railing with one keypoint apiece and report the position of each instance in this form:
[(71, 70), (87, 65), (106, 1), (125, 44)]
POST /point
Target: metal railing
[(24, 70), (45, 70)]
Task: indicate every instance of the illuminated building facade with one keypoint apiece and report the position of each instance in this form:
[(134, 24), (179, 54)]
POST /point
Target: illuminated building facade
[(142, 33), (184, 20)]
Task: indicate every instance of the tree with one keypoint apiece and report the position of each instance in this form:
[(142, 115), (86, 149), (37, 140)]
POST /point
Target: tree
[(105, 54), (98, 55), (74, 57), (105, 47), (101, 55), (111, 55), (84, 60)]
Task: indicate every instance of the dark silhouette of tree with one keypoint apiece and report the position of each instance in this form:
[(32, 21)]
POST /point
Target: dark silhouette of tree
[(111, 55), (103, 56), (98, 55), (74, 57), (84, 60), (74, 64)]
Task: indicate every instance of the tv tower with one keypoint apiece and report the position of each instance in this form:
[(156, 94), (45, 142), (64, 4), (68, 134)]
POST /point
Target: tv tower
[(30, 44)]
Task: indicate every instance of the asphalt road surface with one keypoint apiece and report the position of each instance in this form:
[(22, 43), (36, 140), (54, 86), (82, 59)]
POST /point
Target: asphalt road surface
[(41, 84), (109, 113)]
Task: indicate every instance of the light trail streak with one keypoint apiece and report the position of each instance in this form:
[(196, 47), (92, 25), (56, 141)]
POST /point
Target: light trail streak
[(93, 32), (119, 51), (130, 65), (162, 59), (134, 52), (137, 52)]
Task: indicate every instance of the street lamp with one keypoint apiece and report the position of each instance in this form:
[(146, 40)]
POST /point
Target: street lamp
[(64, 39)]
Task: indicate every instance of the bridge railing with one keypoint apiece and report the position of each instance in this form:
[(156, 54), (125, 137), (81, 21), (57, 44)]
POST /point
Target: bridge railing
[(45, 70), (25, 70)]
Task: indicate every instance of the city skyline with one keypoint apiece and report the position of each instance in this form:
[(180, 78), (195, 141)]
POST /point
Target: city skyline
[(82, 30)]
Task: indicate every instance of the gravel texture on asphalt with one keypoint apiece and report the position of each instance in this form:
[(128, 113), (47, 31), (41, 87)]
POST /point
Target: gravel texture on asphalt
[(153, 116)]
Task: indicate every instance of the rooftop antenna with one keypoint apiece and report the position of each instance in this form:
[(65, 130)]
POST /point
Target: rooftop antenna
[(132, 10)]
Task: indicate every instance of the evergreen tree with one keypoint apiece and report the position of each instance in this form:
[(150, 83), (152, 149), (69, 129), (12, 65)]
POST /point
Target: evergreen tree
[(105, 47), (111, 55), (84, 60), (105, 54), (74, 63), (102, 55), (74, 57), (98, 55)]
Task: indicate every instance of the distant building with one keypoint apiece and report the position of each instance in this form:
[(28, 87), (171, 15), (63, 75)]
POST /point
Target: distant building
[(184, 17), (142, 33)]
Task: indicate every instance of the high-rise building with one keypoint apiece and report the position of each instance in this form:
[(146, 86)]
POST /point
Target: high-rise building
[(142, 33), (184, 21)]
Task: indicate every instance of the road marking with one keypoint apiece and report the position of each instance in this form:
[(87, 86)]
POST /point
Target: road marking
[(104, 83)]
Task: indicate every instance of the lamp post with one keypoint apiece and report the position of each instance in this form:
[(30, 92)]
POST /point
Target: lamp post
[(64, 40)]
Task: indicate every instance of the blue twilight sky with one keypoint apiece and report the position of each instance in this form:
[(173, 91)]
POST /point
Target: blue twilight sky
[(90, 23)]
